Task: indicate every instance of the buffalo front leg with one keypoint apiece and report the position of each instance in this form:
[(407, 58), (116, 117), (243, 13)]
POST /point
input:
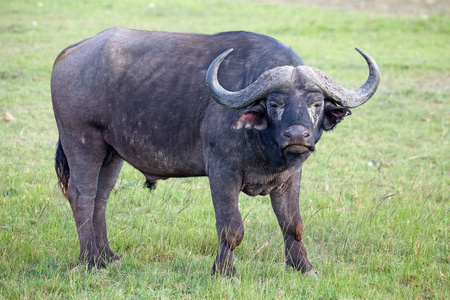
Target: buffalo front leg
[(286, 207), (230, 229)]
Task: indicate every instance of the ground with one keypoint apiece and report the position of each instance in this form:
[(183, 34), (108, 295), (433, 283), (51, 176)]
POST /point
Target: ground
[(406, 7)]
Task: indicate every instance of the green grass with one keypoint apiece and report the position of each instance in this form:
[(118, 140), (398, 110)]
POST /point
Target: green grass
[(374, 199)]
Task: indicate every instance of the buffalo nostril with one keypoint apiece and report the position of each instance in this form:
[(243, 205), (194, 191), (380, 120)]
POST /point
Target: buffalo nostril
[(297, 134)]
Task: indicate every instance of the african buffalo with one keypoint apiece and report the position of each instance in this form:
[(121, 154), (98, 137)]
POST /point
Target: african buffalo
[(179, 105)]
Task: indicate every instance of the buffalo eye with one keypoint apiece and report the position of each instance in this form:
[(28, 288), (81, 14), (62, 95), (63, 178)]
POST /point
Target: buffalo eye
[(315, 101), (275, 105), (317, 105)]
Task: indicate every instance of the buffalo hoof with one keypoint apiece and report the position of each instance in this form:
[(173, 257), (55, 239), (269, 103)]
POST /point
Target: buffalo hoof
[(109, 256), (93, 262), (224, 270), (311, 274), (233, 281), (116, 262)]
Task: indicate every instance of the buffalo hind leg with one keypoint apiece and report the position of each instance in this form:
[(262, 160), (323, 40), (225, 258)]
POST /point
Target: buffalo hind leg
[(85, 159), (81, 194), (230, 229), (107, 179), (286, 207)]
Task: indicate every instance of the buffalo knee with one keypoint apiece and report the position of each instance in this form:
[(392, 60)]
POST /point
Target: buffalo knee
[(233, 235), (294, 229), (299, 231)]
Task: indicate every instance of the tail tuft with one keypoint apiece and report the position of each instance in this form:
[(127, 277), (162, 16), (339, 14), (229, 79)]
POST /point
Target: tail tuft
[(62, 169)]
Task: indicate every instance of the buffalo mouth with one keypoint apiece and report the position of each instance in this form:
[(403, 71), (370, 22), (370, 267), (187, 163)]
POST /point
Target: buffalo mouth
[(298, 149)]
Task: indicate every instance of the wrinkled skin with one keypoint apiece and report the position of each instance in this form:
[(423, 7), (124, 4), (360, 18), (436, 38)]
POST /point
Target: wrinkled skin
[(140, 97)]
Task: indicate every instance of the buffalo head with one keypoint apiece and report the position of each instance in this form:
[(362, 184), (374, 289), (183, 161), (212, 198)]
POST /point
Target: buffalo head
[(294, 103)]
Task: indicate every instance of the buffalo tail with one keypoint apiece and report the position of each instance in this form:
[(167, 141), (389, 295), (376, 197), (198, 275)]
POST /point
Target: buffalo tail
[(62, 169)]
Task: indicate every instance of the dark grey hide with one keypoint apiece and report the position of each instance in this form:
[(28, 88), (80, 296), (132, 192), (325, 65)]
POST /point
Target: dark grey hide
[(141, 97)]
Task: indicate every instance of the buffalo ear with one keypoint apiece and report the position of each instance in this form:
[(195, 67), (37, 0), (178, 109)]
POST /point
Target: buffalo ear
[(252, 118), (334, 114)]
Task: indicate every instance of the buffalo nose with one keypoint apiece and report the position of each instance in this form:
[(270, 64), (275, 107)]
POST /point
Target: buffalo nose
[(297, 135)]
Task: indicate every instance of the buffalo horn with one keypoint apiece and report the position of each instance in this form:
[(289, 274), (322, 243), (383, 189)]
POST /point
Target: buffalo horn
[(342, 96), (282, 75), (257, 90)]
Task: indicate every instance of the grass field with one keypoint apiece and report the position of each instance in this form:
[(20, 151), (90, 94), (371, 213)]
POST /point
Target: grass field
[(374, 198)]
